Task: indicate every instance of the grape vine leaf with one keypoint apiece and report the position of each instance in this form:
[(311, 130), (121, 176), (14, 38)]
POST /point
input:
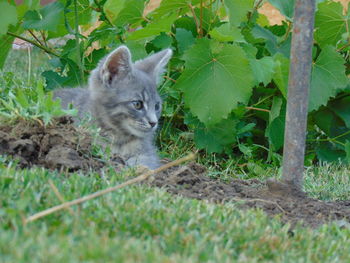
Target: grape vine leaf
[(274, 44), (184, 39), (347, 151), (216, 138), (330, 23), (5, 46), (216, 77), (342, 109), (328, 77), (329, 152), (281, 73), (162, 41), (285, 7), (47, 18), (154, 28), (275, 130), (238, 9), (225, 33), (324, 118), (170, 6), (8, 16), (113, 7), (263, 69), (131, 13)]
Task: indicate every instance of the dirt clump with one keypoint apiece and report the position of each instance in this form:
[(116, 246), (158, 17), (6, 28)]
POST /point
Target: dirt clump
[(190, 181), (59, 145)]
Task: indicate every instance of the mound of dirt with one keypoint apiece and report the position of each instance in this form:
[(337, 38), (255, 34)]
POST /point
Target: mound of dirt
[(63, 146), (59, 145), (190, 181)]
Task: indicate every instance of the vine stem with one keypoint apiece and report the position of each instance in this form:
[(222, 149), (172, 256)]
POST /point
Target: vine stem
[(100, 8), (35, 37), (257, 109), (255, 9), (47, 50), (195, 19)]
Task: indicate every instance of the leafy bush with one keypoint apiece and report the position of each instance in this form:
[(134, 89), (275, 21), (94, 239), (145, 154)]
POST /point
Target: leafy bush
[(227, 82)]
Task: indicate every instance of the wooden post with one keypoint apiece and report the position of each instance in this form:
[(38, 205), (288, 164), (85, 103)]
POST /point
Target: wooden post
[(297, 102), (298, 93)]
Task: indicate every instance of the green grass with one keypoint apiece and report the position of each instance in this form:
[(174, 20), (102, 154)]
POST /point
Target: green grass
[(142, 224)]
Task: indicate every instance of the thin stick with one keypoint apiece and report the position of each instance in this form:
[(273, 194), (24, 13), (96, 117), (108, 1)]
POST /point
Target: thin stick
[(59, 196), (257, 109), (108, 190)]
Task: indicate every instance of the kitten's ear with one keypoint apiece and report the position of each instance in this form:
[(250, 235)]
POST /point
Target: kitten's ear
[(155, 64), (117, 64)]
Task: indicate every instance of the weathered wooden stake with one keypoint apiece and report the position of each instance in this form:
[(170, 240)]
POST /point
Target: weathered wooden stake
[(298, 93)]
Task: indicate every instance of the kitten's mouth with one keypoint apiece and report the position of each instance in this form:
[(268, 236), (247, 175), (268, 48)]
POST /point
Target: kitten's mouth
[(139, 129)]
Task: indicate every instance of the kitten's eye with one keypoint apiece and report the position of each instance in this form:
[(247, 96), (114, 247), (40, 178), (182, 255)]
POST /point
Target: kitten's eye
[(157, 106), (138, 104)]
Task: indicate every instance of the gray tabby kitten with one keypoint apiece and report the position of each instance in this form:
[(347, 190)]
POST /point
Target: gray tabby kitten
[(122, 98)]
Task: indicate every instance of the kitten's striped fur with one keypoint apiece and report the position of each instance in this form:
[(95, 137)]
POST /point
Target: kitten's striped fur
[(122, 98)]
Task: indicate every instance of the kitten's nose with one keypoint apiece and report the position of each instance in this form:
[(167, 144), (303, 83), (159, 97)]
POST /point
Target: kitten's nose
[(152, 124)]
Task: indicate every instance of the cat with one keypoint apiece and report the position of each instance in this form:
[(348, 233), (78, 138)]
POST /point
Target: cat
[(122, 99)]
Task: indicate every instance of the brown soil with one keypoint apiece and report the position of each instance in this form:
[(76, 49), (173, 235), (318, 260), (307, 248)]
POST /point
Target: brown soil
[(57, 146), (291, 206), (63, 146)]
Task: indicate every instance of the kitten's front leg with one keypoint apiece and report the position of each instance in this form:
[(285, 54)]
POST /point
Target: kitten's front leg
[(151, 160)]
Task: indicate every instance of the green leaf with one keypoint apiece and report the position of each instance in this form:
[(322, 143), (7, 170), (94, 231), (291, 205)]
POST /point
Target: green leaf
[(162, 41), (214, 139), (328, 77), (187, 23), (246, 150), (275, 108), (21, 98), (184, 39), (281, 73), (67, 22), (237, 10), (273, 43), (137, 49), (170, 6), (153, 28), (5, 46), (286, 7), (225, 33), (8, 16), (324, 119), (215, 79), (342, 108), (330, 23), (48, 18), (347, 151), (131, 13), (263, 69), (53, 79), (329, 153), (275, 130), (112, 8), (208, 18)]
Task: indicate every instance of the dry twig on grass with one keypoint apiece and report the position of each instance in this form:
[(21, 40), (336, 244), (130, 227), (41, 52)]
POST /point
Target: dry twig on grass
[(59, 196), (108, 190)]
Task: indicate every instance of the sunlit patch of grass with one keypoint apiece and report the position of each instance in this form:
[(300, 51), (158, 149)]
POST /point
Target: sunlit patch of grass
[(145, 224)]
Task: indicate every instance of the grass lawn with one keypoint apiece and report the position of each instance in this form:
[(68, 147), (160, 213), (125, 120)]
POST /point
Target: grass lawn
[(143, 224)]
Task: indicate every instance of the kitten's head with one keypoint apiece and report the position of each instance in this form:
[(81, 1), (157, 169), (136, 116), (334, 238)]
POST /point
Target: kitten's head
[(128, 92)]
